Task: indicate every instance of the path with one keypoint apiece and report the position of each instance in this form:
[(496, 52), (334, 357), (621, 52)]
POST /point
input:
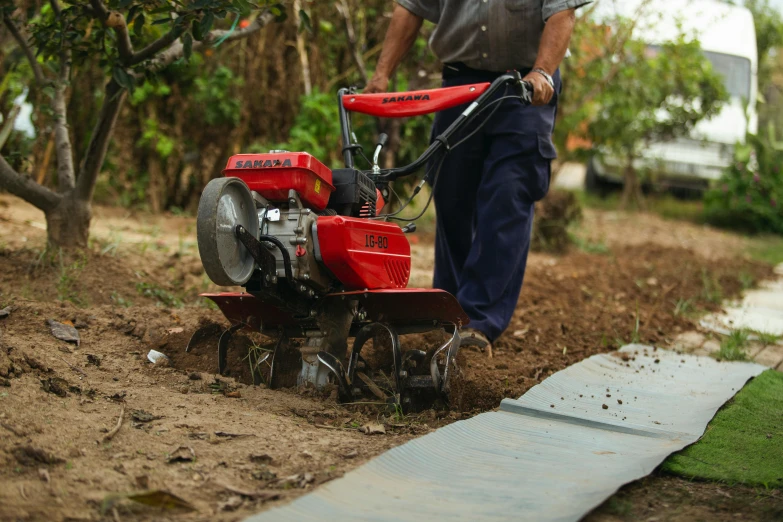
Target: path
[(760, 310)]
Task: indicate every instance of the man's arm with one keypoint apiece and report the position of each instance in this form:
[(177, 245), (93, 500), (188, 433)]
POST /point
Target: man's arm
[(551, 51), (403, 29)]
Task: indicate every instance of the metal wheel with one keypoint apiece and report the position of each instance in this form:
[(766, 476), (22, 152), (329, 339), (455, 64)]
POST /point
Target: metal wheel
[(226, 203)]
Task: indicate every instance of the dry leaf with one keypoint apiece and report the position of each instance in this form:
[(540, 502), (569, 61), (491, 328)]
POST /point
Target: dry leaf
[(64, 332)]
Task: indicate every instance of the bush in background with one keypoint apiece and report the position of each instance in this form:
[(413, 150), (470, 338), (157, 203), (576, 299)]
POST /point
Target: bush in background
[(749, 195)]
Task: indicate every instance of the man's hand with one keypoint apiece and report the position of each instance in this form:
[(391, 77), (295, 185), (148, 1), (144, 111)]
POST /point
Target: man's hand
[(542, 91), (377, 84)]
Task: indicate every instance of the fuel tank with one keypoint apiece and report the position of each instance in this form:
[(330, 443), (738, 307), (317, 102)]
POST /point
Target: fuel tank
[(273, 175)]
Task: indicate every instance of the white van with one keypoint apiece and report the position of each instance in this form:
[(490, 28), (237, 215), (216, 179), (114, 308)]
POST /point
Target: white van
[(728, 38)]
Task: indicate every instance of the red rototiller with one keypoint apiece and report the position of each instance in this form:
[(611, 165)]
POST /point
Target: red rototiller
[(320, 261)]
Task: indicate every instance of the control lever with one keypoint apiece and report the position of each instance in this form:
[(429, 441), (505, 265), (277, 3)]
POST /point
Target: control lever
[(410, 227), (382, 139)]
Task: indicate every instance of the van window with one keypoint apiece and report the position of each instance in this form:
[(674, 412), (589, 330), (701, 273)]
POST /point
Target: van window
[(735, 70)]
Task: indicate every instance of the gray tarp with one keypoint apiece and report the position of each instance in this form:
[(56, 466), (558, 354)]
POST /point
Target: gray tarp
[(554, 454)]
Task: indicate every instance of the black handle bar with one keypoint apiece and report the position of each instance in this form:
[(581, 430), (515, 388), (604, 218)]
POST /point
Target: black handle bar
[(441, 141)]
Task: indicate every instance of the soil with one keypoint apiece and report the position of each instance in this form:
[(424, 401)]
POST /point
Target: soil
[(663, 497), (252, 448)]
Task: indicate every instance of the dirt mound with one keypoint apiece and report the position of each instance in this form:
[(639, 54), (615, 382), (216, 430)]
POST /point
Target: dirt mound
[(582, 304), (244, 349)]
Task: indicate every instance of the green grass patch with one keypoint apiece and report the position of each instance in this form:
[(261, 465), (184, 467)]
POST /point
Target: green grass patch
[(768, 249), (665, 205), (732, 348), (744, 442)]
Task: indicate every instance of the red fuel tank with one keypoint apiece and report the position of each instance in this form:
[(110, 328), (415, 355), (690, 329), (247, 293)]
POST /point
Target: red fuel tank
[(363, 253), (273, 175)]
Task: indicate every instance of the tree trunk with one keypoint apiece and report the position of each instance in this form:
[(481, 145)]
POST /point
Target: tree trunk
[(68, 224), (632, 188)]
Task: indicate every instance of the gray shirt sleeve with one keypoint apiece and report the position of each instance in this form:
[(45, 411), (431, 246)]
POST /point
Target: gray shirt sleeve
[(552, 7), (429, 10)]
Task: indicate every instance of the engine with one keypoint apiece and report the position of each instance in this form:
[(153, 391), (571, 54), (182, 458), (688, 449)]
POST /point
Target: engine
[(319, 227)]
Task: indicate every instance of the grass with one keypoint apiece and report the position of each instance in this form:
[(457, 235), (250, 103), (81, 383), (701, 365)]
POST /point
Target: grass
[(766, 338), (666, 206), (743, 442), (733, 346), (768, 249), (159, 294), (588, 246), (67, 279), (711, 289)]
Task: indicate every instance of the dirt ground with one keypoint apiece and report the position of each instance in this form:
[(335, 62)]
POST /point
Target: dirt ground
[(221, 448)]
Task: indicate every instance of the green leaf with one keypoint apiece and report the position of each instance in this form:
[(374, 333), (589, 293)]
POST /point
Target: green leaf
[(122, 77), (279, 12), (243, 6), (304, 22), (206, 23), (161, 21), (187, 45), (132, 13), (138, 24), (196, 30)]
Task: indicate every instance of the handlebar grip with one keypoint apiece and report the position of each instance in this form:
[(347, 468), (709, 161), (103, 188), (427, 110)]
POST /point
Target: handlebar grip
[(383, 139)]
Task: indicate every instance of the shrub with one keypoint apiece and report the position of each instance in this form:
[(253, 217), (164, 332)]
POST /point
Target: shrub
[(749, 195)]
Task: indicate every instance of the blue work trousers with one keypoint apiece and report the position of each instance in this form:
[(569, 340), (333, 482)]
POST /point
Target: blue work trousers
[(484, 196)]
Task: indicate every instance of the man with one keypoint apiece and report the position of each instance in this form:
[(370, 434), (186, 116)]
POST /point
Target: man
[(486, 188)]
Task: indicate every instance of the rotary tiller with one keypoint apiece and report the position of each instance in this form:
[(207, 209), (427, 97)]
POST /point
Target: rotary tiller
[(321, 262)]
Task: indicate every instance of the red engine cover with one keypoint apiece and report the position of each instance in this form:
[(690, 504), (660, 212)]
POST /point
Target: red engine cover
[(364, 254), (273, 175)]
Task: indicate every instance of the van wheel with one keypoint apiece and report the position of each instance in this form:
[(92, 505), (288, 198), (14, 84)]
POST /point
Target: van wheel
[(595, 184)]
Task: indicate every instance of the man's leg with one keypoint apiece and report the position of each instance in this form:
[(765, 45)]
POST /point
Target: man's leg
[(455, 203), (516, 174)]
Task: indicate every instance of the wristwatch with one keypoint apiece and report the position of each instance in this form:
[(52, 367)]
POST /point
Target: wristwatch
[(545, 75)]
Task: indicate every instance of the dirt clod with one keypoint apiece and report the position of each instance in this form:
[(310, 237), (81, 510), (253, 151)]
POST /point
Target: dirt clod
[(30, 456), (604, 406), (56, 385)]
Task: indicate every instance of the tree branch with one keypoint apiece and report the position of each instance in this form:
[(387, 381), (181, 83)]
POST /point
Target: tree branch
[(65, 169), (99, 143), (156, 46), (37, 72), (26, 188), (176, 50), (116, 21), (345, 12)]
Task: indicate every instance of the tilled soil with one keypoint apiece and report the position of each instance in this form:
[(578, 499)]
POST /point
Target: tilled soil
[(227, 448)]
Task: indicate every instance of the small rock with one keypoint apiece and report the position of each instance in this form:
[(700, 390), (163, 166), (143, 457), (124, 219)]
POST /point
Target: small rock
[(307, 454), (373, 428), (43, 474), (185, 390), (351, 454), (232, 504), (711, 346), (604, 406), (5, 312), (619, 401), (234, 394), (142, 481), (261, 458), (182, 454), (652, 281), (263, 473), (93, 359), (195, 376)]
